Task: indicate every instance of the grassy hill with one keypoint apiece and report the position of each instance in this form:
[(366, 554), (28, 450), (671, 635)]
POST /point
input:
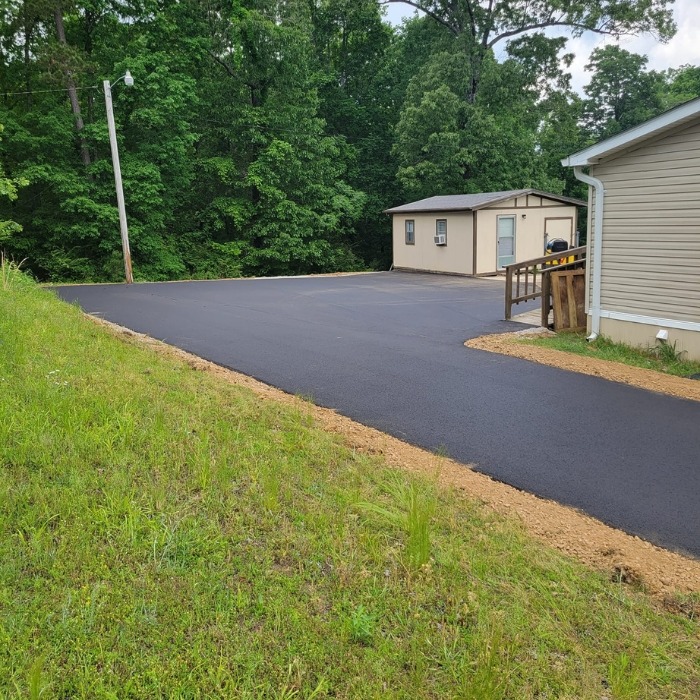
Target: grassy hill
[(164, 534)]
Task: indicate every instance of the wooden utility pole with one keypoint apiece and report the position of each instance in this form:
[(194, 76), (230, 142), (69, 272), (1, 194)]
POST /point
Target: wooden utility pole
[(128, 274)]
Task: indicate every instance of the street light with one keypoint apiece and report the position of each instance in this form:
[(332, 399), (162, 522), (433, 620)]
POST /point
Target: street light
[(128, 81)]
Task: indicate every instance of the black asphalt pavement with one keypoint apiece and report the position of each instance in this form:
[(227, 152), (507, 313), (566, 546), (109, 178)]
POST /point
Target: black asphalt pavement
[(387, 350)]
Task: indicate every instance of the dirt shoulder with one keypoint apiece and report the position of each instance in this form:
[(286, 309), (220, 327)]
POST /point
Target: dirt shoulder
[(620, 555), (509, 344)]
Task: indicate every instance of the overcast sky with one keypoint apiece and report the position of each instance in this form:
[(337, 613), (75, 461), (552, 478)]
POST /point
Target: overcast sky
[(683, 48)]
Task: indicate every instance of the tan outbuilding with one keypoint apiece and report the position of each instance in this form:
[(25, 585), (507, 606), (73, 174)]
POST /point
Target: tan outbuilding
[(643, 274), (479, 234)]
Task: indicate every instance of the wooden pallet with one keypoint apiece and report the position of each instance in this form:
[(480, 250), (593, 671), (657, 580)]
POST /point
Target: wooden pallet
[(568, 289)]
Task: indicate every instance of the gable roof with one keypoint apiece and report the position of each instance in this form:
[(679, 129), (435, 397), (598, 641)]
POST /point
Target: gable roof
[(683, 113), (472, 202)]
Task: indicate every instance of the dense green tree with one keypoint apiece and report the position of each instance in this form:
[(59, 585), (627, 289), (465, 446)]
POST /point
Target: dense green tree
[(471, 123), (621, 93), (267, 136), (227, 167), (358, 101), (560, 135), (70, 220), (680, 85), (479, 25), (448, 144), (8, 191), (282, 199)]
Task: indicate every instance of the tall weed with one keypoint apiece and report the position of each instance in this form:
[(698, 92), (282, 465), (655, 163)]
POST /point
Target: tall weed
[(411, 509), (10, 274)]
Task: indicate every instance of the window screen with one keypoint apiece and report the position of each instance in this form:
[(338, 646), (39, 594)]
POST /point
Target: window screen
[(410, 232), (441, 228)]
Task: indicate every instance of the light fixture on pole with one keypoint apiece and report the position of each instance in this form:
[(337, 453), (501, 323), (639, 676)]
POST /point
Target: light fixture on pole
[(128, 81)]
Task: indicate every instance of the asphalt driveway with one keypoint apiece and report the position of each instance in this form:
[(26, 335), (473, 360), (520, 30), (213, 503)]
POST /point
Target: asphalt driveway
[(387, 350)]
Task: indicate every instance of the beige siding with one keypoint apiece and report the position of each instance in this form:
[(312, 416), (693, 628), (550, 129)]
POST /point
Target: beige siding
[(455, 257), (589, 247), (529, 232), (560, 227), (651, 241)]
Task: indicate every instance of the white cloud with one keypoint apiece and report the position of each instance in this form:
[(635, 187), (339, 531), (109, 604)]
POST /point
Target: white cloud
[(581, 48), (683, 48), (396, 12)]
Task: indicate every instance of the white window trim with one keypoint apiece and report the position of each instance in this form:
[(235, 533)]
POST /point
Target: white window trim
[(515, 236), (650, 320), (437, 229), (413, 231)]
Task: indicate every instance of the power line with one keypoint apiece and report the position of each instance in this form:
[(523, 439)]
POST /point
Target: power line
[(35, 92)]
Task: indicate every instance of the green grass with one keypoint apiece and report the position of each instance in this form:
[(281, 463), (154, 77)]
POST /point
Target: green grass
[(663, 358), (164, 534)]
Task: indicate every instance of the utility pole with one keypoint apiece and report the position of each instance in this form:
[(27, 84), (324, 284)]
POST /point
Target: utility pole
[(128, 80)]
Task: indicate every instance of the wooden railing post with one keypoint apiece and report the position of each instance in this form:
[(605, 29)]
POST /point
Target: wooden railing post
[(573, 258), (509, 292), (546, 294)]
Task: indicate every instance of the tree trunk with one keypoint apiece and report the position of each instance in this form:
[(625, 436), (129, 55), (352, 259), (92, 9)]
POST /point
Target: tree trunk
[(72, 92), (475, 63), (27, 58)]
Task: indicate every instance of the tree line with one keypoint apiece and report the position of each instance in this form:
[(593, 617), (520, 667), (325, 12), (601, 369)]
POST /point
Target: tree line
[(266, 137)]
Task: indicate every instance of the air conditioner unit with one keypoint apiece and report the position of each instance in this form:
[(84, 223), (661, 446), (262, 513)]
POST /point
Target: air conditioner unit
[(440, 239)]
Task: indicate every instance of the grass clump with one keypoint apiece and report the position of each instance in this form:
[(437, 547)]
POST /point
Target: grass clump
[(362, 625), (10, 273), (663, 358), (164, 534), (409, 508)]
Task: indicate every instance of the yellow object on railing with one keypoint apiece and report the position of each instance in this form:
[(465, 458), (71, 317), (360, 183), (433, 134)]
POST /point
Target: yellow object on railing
[(560, 261), (558, 245)]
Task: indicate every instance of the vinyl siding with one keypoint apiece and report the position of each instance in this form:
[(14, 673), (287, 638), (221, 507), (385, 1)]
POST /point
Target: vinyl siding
[(529, 232), (456, 257), (651, 242)]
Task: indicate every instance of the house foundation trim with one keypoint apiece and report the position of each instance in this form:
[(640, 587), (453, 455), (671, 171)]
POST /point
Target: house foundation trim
[(649, 320)]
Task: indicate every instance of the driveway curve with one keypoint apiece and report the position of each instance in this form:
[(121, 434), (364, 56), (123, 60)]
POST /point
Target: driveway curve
[(386, 349)]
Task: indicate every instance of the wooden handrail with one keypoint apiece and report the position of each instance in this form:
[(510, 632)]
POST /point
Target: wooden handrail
[(548, 258), (529, 269)]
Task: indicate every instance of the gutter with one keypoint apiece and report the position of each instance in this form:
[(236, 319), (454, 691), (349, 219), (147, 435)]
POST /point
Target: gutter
[(597, 247)]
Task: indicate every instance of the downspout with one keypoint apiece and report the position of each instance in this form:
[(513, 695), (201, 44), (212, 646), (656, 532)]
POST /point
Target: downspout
[(597, 247)]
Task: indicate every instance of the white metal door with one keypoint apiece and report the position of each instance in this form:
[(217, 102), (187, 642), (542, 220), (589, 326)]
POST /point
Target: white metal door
[(506, 240)]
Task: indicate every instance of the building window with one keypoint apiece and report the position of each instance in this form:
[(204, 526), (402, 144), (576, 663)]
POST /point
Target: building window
[(441, 231), (410, 232)]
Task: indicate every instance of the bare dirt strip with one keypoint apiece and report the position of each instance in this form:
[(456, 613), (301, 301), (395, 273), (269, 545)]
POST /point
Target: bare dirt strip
[(623, 557), (511, 344)]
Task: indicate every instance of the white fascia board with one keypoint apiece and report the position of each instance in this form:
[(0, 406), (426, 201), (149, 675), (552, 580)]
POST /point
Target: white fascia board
[(677, 115), (650, 320)]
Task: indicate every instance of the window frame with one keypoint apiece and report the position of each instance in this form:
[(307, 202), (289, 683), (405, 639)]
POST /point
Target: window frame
[(437, 228), (409, 236), (514, 219)]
